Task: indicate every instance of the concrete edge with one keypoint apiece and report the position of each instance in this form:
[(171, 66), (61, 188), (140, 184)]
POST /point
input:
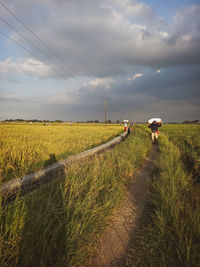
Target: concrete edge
[(10, 188)]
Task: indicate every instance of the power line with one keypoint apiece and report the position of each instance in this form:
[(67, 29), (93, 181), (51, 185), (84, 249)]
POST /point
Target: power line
[(77, 78), (37, 37), (24, 49), (18, 44), (44, 44), (20, 34), (79, 83), (32, 54), (8, 51)]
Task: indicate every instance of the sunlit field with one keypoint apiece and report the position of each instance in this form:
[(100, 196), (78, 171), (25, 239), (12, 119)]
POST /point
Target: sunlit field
[(187, 138), (80, 202), (60, 223), (29, 147)]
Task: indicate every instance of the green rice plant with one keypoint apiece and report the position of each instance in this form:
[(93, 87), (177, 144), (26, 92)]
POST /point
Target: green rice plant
[(170, 232), (62, 220)]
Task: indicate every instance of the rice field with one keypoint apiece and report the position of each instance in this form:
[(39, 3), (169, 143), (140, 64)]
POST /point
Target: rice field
[(169, 234), (72, 211), (60, 223), (25, 148), (187, 139)]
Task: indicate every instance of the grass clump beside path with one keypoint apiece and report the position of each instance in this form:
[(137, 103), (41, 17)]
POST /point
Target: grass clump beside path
[(59, 224), (170, 232)]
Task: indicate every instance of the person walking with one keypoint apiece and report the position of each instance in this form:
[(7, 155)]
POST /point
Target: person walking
[(154, 130), (125, 126)]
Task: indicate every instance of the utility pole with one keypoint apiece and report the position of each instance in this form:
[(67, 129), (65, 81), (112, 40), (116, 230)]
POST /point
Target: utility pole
[(105, 102)]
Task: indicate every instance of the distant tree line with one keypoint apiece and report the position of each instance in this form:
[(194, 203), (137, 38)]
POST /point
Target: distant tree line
[(59, 121), (22, 120), (194, 121), (92, 121), (97, 121)]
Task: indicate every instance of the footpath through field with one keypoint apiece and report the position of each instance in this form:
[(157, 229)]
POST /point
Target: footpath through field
[(114, 244)]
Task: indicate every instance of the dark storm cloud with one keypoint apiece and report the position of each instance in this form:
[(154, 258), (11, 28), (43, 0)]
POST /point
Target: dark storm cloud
[(100, 41), (170, 83)]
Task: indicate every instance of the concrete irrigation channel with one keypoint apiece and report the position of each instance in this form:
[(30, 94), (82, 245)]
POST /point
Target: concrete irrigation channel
[(31, 181)]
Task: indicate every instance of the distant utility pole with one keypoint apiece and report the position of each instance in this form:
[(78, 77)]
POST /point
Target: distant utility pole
[(105, 102)]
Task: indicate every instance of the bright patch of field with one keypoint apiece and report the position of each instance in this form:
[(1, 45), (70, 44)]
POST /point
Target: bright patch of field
[(182, 132), (187, 138), (26, 148)]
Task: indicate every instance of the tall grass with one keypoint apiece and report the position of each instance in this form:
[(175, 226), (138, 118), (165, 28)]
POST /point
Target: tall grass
[(170, 232), (59, 224), (26, 148), (187, 138)]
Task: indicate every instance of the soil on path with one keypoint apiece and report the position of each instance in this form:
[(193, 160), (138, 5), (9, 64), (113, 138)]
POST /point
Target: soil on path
[(114, 244)]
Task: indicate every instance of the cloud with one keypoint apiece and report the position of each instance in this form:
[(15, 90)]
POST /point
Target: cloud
[(102, 40), (184, 30), (104, 47), (103, 82), (140, 11), (170, 83), (137, 75), (63, 99), (28, 66), (10, 97)]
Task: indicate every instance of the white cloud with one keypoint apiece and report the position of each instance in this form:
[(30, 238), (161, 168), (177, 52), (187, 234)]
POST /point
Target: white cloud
[(105, 82), (164, 35), (186, 37), (8, 97), (135, 76), (185, 25), (140, 10), (28, 66)]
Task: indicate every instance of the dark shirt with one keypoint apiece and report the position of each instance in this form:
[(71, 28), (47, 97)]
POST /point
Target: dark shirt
[(154, 127)]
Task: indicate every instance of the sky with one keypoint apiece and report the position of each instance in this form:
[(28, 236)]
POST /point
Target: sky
[(60, 59)]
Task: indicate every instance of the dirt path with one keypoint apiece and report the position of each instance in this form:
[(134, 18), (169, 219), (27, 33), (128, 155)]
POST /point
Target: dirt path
[(114, 244)]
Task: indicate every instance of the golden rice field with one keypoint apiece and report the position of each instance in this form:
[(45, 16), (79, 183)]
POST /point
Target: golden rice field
[(187, 138), (25, 148)]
